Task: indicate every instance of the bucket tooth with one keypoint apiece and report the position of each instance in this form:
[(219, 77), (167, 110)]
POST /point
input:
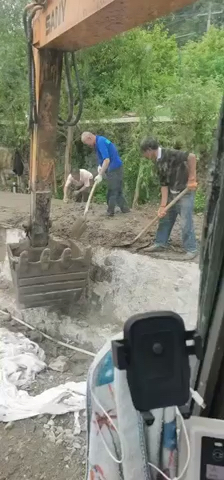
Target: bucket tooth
[(23, 263), (48, 276), (66, 257), (45, 259), (88, 255)]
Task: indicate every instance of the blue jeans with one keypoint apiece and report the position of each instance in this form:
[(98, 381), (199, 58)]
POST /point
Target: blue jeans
[(184, 208)]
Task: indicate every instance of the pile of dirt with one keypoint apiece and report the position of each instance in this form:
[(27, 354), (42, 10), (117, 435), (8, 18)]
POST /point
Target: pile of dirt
[(101, 230)]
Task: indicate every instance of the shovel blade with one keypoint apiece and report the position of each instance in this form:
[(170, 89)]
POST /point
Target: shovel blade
[(124, 245), (78, 228)]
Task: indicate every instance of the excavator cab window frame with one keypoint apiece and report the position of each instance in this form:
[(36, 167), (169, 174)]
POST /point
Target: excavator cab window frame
[(209, 374)]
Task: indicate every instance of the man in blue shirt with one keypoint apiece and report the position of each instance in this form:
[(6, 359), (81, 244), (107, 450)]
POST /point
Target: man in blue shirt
[(110, 165)]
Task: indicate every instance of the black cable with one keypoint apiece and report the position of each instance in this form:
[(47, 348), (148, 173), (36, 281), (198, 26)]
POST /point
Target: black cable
[(68, 79), (73, 122), (33, 114), (29, 66), (80, 93), (34, 118), (27, 22)]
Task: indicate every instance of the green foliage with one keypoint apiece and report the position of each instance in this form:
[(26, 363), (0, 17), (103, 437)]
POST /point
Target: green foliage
[(133, 161), (13, 73), (194, 111), (60, 192), (100, 195), (122, 74), (200, 200), (205, 59)]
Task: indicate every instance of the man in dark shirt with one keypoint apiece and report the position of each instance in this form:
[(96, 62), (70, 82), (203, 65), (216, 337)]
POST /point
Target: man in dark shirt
[(176, 171), (110, 165)]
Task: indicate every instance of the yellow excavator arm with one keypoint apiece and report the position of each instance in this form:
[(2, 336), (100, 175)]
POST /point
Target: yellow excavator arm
[(71, 25)]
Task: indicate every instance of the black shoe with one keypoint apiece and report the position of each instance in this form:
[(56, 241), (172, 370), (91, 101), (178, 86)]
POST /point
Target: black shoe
[(109, 214), (126, 210)]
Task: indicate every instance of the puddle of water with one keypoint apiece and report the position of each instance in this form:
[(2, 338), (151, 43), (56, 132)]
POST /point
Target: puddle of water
[(8, 235)]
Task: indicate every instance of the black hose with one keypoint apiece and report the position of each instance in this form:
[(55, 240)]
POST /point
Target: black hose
[(68, 79), (33, 70), (27, 22), (80, 93), (73, 122), (29, 66), (32, 74), (33, 113)]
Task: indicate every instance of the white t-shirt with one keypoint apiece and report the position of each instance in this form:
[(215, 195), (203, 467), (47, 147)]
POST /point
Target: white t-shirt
[(85, 178), (159, 153)]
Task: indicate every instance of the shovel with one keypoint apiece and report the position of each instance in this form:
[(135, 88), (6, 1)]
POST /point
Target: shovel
[(153, 221), (79, 226)]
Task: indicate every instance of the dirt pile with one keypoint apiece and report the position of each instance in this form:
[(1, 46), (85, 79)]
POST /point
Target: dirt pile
[(101, 231)]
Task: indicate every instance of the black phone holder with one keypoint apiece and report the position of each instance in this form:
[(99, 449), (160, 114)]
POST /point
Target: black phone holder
[(155, 353)]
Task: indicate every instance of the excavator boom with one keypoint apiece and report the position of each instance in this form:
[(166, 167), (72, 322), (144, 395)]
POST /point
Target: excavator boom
[(68, 25)]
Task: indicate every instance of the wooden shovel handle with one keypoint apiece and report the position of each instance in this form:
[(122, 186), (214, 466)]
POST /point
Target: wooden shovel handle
[(176, 199), (90, 198), (155, 219)]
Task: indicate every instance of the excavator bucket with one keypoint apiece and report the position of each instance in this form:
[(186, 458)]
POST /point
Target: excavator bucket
[(48, 276)]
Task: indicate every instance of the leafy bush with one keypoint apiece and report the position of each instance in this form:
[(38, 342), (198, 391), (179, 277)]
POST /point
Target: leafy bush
[(194, 111), (205, 59), (200, 200), (119, 74)]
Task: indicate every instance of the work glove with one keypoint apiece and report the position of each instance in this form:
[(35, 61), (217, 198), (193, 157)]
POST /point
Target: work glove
[(161, 212), (192, 185), (98, 178)]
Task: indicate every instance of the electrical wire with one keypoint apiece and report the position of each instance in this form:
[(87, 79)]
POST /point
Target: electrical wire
[(93, 396), (198, 398), (48, 337)]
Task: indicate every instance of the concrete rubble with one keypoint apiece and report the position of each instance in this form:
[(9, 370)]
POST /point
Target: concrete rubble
[(58, 435), (60, 364), (66, 437)]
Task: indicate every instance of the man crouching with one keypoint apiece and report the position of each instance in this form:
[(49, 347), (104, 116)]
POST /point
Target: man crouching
[(80, 181)]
